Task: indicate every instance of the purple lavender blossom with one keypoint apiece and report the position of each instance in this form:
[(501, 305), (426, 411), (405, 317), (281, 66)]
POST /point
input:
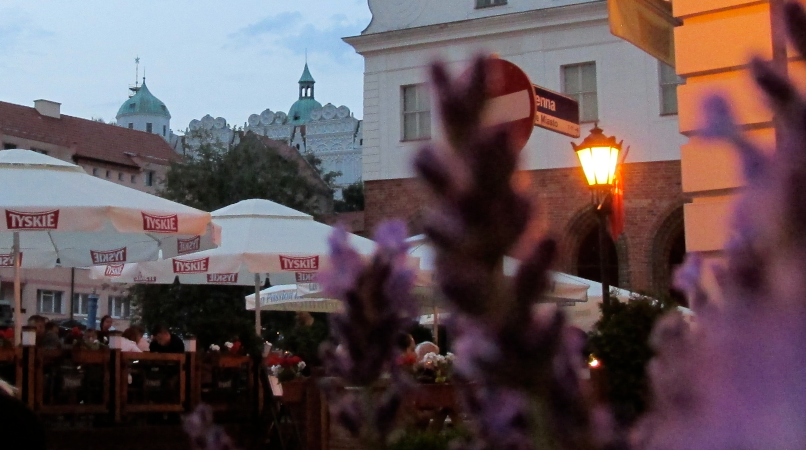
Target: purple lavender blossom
[(520, 368), (204, 433), (377, 309), (735, 379)]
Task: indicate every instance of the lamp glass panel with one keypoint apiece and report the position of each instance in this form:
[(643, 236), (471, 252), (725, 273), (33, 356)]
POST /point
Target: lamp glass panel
[(603, 164), (586, 159)]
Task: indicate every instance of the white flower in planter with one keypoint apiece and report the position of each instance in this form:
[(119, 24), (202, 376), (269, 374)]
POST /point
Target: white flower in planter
[(228, 345), (215, 348)]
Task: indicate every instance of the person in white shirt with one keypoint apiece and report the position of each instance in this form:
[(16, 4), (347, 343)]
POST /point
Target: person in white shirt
[(129, 340)]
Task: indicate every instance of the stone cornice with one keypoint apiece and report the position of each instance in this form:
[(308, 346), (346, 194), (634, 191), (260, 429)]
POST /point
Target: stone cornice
[(484, 26)]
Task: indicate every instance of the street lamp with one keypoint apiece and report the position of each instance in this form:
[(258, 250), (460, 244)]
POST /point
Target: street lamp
[(599, 156)]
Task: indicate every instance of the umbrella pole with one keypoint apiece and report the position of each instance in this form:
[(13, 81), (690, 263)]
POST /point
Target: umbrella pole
[(435, 327), (17, 290), (258, 329)]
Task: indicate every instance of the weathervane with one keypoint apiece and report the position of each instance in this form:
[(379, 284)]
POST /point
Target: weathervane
[(136, 70)]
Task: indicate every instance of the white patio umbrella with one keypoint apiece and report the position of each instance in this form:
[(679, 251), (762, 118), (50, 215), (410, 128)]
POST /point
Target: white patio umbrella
[(562, 288), (257, 237), (54, 213), (287, 297)]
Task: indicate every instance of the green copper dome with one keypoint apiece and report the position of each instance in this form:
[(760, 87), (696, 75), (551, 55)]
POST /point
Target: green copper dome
[(143, 102), (300, 111)]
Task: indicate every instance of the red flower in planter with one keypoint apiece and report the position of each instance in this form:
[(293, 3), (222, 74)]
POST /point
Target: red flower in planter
[(236, 347), (76, 332), (7, 334)]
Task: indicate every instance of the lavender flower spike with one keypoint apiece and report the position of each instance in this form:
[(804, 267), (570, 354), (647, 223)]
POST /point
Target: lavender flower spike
[(377, 309)]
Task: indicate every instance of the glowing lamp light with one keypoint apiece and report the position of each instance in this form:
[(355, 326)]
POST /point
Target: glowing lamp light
[(190, 344), (594, 363), (115, 340), (28, 336), (599, 156)]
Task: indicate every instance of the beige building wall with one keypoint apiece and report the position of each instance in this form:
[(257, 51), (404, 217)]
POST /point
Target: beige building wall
[(713, 48)]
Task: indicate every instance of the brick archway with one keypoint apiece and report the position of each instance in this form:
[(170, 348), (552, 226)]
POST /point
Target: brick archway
[(579, 227), (668, 237)]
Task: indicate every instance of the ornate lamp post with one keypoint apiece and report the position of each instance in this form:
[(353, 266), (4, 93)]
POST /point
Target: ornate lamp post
[(599, 156)]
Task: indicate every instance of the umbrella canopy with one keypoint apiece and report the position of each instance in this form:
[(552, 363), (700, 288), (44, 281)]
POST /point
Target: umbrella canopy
[(257, 237), (562, 288), (286, 297), (65, 216), (581, 314), (55, 213)]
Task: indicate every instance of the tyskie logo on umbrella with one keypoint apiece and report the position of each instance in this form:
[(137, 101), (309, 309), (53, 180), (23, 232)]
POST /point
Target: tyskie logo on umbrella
[(189, 245), (44, 220), (160, 224), (299, 262), (7, 260), (191, 266), (306, 277), (113, 270), (140, 278), (222, 278), (108, 256)]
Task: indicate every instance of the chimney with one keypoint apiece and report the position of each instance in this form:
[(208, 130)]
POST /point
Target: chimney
[(48, 108)]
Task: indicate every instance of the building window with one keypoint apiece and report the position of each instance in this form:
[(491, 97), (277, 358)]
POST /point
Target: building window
[(49, 302), (148, 127), (95, 171), (579, 83), (131, 126), (150, 178), (7, 146), (132, 106), (81, 304), (668, 81), (416, 112), (487, 3), (120, 176), (109, 174), (39, 150), (120, 307), (134, 178), (164, 130)]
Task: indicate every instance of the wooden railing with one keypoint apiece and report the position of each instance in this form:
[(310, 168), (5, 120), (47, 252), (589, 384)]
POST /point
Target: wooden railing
[(121, 384)]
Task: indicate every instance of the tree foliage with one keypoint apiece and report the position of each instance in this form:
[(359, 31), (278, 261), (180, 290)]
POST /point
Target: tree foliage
[(352, 198), (620, 340), (210, 177)]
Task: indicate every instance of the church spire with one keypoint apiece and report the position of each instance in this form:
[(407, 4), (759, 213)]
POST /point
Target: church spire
[(306, 83)]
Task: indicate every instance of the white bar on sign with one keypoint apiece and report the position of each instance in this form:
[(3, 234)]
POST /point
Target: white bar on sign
[(507, 108)]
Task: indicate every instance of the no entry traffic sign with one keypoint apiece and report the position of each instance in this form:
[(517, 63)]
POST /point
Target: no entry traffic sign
[(514, 99)]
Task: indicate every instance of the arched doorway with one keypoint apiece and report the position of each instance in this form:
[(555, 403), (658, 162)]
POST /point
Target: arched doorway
[(588, 265), (668, 253)]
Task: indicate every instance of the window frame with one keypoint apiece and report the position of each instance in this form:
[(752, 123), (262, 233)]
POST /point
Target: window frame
[(419, 89), (578, 96), (79, 299), (661, 84), (489, 3), (149, 127), (56, 295), (149, 178), (124, 300)]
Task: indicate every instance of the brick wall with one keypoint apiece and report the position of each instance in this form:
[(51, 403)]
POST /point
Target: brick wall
[(653, 197)]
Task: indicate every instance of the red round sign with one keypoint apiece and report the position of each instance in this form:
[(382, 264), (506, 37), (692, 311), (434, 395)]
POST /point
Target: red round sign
[(511, 99)]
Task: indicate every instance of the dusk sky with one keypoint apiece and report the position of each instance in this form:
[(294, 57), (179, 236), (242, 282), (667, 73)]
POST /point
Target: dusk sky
[(228, 59)]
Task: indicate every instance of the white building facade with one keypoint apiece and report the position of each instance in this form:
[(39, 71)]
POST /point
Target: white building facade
[(331, 133), (565, 46)]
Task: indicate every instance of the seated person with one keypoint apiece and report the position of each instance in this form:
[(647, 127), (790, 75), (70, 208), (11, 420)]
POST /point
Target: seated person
[(408, 357), (142, 342), (129, 340), (38, 322), (163, 341), (424, 348), (50, 339), (106, 327)]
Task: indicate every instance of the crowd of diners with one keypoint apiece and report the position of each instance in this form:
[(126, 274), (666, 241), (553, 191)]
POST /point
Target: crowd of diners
[(50, 335)]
